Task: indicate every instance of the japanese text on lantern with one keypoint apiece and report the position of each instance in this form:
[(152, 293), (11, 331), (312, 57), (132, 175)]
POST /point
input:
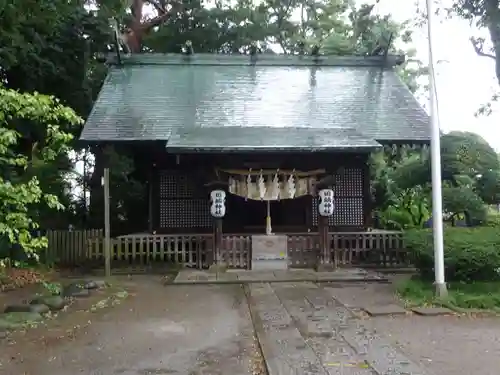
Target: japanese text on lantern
[(218, 200), (326, 204)]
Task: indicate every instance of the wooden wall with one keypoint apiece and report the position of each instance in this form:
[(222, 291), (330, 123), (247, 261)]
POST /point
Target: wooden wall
[(180, 201)]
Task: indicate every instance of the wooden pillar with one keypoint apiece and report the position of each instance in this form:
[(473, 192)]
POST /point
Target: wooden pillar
[(324, 261), (150, 200), (217, 241), (107, 224), (367, 196)]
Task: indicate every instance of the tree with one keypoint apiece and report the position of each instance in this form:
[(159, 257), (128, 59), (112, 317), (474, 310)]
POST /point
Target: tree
[(470, 174), (466, 153), (20, 189), (483, 14), (54, 50), (488, 187)]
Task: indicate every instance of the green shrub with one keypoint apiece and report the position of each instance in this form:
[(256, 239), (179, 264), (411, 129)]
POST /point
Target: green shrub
[(470, 254), (492, 218)]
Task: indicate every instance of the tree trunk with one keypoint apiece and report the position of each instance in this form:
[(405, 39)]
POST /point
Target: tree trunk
[(96, 206), (493, 23), (135, 32)]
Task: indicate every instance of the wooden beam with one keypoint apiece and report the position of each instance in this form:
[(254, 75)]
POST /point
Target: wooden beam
[(107, 224), (150, 200)]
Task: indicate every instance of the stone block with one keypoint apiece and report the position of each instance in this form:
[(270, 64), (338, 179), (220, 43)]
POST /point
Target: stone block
[(384, 310), (432, 311)]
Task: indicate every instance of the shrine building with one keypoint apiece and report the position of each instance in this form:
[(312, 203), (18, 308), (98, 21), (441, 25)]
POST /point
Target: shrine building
[(255, 147)]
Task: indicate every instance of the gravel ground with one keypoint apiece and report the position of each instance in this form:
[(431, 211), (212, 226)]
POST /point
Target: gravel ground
[(447, 345), (157, 330)]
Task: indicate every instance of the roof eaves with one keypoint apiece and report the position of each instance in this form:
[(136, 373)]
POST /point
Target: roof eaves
[(231, 149), (261, 60)]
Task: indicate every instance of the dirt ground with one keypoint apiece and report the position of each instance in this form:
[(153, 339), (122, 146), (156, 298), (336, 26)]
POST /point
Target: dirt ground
[(206, 329), (446, 345), (157, 330)]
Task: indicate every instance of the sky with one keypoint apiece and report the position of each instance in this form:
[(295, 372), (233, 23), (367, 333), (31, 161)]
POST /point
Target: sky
[(465, 81)]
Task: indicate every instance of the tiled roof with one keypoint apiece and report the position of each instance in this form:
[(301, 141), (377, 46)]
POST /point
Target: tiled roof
[(153, 97), (232, 138)]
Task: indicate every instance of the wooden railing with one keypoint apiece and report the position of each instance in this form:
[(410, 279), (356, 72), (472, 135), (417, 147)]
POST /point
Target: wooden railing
[(378, 249), (187, 250), (68, 247), (303, 250), (236, 250)]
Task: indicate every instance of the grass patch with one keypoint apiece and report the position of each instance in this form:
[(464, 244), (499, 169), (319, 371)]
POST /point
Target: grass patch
[(475, 295)]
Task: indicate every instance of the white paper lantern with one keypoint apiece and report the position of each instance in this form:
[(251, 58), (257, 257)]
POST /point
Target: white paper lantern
[(326, 203), (218, 200)]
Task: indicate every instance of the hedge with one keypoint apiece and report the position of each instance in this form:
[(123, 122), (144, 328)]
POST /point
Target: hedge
[(470, 254)]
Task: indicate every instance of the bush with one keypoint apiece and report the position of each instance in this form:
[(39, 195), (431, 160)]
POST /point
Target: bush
[(492, 218), (470, 254)]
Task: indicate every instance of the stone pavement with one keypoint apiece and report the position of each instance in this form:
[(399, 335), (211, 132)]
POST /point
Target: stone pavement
[(302, 329), (191, 276)]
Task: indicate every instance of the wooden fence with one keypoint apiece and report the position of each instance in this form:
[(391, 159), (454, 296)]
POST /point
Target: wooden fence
[(379, 249), (303, 250), (236, 251), (69, 247), (187, 250)]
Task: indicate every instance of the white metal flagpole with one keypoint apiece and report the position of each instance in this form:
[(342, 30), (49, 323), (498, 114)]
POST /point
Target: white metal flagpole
[(437, 196)]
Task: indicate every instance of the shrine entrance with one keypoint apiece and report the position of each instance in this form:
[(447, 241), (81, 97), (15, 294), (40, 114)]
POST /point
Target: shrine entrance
[(249, 216), (268, 204)]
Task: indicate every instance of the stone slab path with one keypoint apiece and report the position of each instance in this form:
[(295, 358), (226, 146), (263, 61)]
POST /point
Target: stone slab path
[(190, 276), (302, 329)]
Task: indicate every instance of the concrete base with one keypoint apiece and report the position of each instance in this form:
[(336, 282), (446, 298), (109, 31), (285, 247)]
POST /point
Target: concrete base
[(432, 311), (216, 268), (441, 290), (384, 310), (325, 267), (269, 252)]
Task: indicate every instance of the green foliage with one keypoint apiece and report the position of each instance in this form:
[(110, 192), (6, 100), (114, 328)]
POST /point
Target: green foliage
[(53, 288), (470, 254), (465, 153), (477, 295), (483, 14), (53, 49), (488, 186), (463, 200), (492, 218), (19, 186), (410, 209), (470, 171)]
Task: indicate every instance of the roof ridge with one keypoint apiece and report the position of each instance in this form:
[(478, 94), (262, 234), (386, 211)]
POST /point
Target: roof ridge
[(263, 59)]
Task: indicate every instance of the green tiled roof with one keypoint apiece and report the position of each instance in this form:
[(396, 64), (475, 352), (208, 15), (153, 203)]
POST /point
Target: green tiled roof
[(153, 97), (232, 138)]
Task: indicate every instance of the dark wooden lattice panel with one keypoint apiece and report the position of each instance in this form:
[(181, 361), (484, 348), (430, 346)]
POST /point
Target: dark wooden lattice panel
[(176, 185), (348, 212), (349, 183), (185, 213)]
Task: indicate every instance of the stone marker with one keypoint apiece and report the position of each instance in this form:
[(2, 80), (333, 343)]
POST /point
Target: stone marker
[(39, 308), (15, 320), (36, 308), (95, 284), (384, 310), (75, 290), (54, 303), (432, 311), (17, 308)]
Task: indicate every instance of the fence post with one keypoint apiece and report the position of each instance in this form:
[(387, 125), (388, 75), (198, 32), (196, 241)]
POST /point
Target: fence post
[(107, 232)]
